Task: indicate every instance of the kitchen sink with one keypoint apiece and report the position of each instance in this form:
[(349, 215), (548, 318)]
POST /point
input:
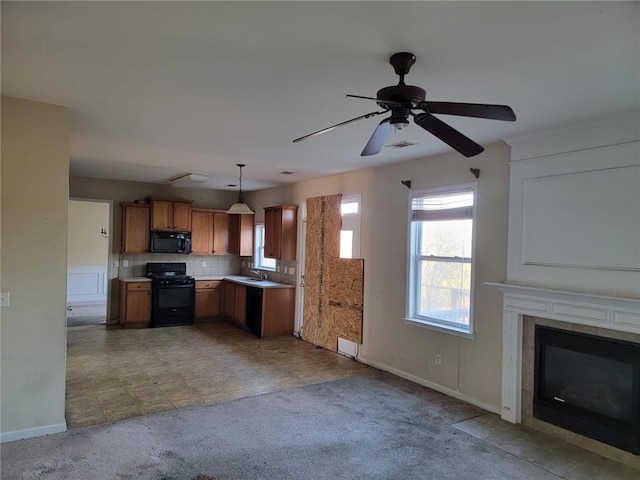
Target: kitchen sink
[(254, 280)]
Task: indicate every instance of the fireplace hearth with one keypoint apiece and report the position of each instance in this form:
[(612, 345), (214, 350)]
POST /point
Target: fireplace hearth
[(589, 385)]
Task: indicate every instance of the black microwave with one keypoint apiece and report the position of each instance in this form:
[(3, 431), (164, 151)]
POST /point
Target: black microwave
[(169, 242)]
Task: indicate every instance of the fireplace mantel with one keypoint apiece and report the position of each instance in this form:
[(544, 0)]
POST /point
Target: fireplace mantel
[(598, 310)]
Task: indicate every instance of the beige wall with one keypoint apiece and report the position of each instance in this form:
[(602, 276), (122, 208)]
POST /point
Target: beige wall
[(35, 175), (471, 367), (87, 246)]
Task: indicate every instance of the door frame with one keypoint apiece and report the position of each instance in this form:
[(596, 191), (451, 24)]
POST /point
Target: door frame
[(300, 255), (109, 247)]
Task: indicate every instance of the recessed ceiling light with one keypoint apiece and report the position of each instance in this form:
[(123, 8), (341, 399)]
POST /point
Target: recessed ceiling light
[(401, 144)]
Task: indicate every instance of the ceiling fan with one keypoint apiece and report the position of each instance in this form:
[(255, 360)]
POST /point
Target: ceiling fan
[(404, 100)]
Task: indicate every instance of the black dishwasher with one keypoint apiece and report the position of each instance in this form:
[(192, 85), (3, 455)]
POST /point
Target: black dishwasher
[(254, 310)]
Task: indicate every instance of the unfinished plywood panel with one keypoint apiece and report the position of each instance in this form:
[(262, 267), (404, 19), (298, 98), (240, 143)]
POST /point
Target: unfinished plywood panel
[(345, 284), (324, 222)]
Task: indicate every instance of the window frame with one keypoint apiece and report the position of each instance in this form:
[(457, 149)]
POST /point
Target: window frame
[(413, 261), (258, 249), (353, 222)]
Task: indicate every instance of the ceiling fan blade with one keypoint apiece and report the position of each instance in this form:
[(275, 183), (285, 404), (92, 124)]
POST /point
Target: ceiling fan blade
[(379, 100), (479, 110), (376, 142), (324, 130), (448, 135)]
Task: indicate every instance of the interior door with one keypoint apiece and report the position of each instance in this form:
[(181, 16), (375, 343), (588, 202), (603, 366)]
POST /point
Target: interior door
[(302, 235)]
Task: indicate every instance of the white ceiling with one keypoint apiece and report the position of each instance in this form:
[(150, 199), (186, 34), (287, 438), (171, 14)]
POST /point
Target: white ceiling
[(161, 89)]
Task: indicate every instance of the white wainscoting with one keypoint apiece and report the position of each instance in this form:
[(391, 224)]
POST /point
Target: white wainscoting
[(86, 284)]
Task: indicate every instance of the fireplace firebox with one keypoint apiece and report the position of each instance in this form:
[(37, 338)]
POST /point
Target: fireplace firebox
[(589, 385)]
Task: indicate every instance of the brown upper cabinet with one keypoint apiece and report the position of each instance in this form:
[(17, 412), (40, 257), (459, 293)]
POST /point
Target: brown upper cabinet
[(210, 232), (280, 232), (135, 228), (170, 215), (241, 235)]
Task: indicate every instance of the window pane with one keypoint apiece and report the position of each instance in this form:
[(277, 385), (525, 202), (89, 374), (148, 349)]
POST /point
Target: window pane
[(268, 262), (346, 243), (445, 289), (446, 238), (347, 208), (259, 260)]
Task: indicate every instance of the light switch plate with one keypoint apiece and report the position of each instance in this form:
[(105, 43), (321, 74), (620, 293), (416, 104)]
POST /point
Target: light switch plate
[(125, 263), (204, 263), (4, 299)]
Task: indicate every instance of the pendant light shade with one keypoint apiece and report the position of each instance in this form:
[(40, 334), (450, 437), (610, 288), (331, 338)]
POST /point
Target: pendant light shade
[(240, 208)]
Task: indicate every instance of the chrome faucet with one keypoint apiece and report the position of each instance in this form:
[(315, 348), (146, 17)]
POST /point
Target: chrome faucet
[(259, 274)]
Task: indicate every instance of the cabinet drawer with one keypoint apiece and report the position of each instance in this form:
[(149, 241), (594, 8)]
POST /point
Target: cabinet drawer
[(138, 286), (204, 284)]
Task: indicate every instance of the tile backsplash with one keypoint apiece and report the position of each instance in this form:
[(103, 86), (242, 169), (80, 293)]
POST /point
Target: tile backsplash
[(286, 273), (214, 264)]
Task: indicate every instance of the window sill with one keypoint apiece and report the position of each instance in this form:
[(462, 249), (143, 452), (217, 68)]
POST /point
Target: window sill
[(439, 328)]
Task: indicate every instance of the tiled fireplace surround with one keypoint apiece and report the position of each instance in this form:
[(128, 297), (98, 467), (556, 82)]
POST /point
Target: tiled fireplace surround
[(526, 307)]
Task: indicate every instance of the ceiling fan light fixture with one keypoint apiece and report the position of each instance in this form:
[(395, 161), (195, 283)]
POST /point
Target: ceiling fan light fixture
[(240, 208), (399, 125)]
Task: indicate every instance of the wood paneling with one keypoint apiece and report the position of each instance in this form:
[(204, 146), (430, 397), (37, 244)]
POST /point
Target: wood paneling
[(345, 281), (324, 222)]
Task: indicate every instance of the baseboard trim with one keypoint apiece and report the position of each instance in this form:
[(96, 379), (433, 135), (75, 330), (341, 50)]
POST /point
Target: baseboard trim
[(32, 432), (431, 385)]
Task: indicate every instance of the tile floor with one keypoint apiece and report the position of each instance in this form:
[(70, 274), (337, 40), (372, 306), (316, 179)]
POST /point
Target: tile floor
[(561, 458), (114, 374)]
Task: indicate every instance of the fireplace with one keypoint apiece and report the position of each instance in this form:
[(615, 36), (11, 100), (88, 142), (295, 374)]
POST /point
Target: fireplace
[(589, 385)]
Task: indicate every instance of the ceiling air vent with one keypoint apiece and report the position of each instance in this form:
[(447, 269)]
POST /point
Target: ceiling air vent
[(286, 172), (401, 144)]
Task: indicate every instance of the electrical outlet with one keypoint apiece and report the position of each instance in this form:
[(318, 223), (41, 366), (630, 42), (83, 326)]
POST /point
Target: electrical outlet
[(204, 263), (243, 264), (125, 263), (4, 299), (278, 269), (438, 359), (116, 263)]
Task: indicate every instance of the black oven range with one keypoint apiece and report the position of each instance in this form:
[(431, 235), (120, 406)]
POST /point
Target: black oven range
[(172, 296)]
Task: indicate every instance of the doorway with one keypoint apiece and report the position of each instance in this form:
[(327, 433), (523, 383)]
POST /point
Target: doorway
[(88, 250), (351, 212)]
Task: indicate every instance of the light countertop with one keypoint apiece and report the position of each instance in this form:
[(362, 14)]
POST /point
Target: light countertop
[(241, 279)]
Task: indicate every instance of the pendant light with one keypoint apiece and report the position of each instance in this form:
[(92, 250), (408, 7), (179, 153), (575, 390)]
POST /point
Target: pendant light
[(240, 207)]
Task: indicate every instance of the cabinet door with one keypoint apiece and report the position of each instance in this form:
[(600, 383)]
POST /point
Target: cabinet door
[(161, 215), (241, 306), (135, 229), (245, 235), (221, 226), (202, 233), (138, 307), (207, 303), (182, 216), (272, 232), (135, 304)]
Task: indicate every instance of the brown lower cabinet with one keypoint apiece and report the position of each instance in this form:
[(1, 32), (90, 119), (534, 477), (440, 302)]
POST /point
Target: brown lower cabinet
[(278, 306), (235, 296), (208, 300), (135, 304)]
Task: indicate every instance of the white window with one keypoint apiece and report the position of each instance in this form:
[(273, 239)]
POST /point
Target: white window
[(441, 245), (350, 232), (258, 259)]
